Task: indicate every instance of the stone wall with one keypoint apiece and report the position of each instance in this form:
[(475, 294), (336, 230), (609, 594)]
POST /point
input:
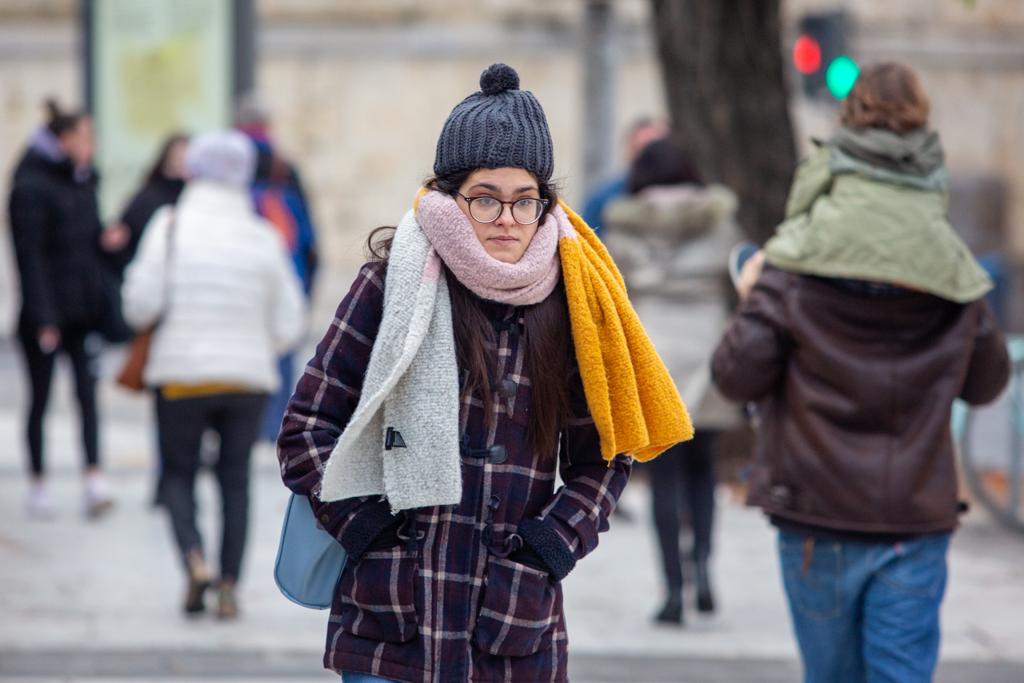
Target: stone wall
[(358, 92), (359, 88), (362, 107)]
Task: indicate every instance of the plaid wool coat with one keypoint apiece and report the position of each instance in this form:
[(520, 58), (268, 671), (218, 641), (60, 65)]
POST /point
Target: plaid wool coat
[(448, 603)]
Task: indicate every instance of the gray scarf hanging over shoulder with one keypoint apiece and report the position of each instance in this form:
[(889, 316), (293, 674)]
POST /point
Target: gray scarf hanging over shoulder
[(402, 441)]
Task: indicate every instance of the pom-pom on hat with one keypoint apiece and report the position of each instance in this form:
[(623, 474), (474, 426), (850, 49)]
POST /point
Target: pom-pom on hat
[(497, 126)]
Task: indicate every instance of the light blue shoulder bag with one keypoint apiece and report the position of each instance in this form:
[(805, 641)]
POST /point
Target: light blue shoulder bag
[(309, 560)]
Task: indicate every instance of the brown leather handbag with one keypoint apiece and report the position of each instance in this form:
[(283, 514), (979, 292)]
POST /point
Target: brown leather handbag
[(130, 376)]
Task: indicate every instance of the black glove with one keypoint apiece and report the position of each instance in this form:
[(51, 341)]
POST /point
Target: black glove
[(388, 538), (373, 527), (526, 555), (541, 541)]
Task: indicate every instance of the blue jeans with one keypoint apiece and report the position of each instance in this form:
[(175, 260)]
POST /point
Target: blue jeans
[(349, 677), (865, 612)]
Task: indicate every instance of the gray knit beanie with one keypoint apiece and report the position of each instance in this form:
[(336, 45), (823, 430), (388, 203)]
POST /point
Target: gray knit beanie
[(498, 126)]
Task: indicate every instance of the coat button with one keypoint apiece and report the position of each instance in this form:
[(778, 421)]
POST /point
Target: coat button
[(498, 454), (494, 502), (508, 387), (325, 518)]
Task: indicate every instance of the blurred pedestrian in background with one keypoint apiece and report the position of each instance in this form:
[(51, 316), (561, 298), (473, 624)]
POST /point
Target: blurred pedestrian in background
[(456, 339), (867, 321), (218, 279), (671, 237), (279, 197), (640, 134), (161, 186), (58, 244)]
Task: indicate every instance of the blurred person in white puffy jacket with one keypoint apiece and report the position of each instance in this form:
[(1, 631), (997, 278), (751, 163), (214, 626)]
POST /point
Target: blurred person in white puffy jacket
[(217, 281), (671, 237)]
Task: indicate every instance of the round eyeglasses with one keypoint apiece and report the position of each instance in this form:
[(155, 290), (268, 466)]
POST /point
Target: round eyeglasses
[(486, 209)]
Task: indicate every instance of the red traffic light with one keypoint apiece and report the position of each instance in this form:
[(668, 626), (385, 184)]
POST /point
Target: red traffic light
[(806, 55)]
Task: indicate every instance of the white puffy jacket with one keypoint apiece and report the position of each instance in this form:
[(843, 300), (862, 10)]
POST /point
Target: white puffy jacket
[(232, 302)]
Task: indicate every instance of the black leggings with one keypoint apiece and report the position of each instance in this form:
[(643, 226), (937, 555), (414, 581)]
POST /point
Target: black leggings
[(84, 356), (685, 474), (235, 418)]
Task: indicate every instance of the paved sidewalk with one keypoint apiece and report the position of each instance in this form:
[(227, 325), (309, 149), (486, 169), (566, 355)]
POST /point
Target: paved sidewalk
[(85, 601)]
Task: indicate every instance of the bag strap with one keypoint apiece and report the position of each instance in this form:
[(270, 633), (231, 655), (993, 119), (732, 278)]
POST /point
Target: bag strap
[(168, 253)]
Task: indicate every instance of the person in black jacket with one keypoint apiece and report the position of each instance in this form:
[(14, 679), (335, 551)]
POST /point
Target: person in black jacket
[(57, 234), (161, 187)]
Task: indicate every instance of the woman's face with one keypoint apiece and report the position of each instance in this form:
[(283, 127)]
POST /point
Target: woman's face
[(174, 164), (78, 144), (504, 239)]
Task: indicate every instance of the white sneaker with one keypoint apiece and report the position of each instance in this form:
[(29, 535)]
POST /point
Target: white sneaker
[(97, 495), (39, 505)]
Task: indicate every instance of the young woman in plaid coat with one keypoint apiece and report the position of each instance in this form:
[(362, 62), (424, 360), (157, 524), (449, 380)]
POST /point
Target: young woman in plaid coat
[(471, 590)]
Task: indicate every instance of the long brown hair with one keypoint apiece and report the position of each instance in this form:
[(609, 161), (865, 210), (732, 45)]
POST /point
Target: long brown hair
[(156, 171), (545, 335)]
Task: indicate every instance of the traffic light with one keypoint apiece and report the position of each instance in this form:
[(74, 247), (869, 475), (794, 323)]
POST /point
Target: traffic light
[(820, 56)]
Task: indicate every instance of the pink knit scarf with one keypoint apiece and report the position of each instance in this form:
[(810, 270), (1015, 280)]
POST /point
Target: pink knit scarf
[(527, 282)]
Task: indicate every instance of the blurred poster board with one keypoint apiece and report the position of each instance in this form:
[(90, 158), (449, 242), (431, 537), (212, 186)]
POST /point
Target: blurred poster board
[(154, 67)]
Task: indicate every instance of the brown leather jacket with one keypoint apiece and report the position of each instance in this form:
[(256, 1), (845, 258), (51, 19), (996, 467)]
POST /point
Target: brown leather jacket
[(855, 394)]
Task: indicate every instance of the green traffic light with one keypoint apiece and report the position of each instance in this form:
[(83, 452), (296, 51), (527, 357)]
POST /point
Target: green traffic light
[(841, 75)]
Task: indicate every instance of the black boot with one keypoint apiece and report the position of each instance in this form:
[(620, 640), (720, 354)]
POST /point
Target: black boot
[(198, 582), (705, 599), (672, 611)]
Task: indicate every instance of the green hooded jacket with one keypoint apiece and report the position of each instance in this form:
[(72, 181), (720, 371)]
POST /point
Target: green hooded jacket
[(871, 205)]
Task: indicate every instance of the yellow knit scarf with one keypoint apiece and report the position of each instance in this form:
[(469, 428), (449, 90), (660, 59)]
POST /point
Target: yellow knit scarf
[(631, 396)]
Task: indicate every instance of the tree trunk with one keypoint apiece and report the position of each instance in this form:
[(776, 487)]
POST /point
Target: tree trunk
[(727, 96)]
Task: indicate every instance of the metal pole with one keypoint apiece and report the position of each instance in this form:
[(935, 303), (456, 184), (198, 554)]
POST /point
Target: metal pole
[(88, 86), (599, 72), (244, 48)]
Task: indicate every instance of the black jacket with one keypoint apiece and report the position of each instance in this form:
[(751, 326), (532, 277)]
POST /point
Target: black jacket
[(55, 225), (156, 193)]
